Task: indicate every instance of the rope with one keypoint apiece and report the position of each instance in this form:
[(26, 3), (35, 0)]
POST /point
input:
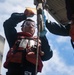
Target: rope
[(37, 54), (40, 25)]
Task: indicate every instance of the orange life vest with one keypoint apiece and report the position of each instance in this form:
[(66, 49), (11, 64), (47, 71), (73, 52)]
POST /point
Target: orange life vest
[(15, 53)]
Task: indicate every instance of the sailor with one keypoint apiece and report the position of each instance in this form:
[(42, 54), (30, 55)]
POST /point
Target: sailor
[(21, 58)]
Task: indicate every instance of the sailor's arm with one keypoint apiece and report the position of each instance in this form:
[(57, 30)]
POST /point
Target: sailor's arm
[(57, 29)]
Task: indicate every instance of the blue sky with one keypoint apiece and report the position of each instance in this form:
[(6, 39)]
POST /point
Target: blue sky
[(62, 62)]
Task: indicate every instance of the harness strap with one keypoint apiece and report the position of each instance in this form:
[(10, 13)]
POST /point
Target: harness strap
[(16, 54)]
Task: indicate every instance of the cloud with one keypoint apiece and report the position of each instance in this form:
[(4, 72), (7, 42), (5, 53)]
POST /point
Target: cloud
[(2, 1), (62, 39), (7, 7), (56, 66)]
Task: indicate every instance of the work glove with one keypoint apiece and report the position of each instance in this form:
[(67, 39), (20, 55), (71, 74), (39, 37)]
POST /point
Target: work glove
[(29, 13), (42, 33)]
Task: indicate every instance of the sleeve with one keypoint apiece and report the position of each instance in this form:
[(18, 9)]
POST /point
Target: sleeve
[(57, 29), (9, 27), (45, 47)]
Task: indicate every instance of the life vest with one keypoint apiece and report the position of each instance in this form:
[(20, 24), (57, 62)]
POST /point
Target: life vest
[(71, 32), (26, 42)]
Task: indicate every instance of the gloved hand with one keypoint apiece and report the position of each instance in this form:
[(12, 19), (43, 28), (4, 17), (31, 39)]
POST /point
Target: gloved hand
[(29, 13), (44, 30), (43, 33)]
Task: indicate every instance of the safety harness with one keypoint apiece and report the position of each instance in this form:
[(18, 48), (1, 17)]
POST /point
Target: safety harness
[(25, 42)]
